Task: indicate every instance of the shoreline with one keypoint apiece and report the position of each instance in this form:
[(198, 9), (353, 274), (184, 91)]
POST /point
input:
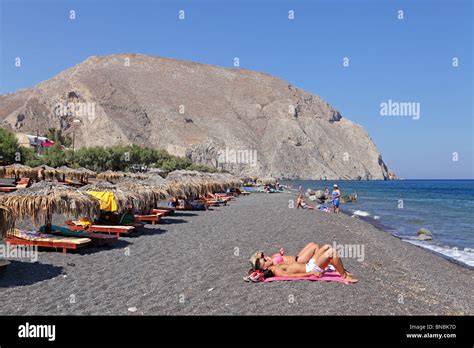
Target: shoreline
[(455, 245), (388, 229), (193, 263)]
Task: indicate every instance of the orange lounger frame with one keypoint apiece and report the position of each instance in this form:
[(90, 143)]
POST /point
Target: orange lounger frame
[(162, 211), (48, 244), (153, 218), (211, 202), (23, 183), (117, 230)]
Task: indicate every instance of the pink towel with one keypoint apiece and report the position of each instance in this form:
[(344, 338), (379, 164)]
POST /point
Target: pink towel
[(327, 277)]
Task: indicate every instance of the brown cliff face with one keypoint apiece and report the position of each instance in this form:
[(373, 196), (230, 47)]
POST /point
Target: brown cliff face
[(240, 120)]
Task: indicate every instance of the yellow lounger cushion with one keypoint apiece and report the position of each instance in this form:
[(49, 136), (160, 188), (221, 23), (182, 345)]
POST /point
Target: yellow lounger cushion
[(55, 239), (106, 226)]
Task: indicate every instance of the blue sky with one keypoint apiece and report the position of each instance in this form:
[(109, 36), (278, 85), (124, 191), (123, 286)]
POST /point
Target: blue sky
[(407, 60)]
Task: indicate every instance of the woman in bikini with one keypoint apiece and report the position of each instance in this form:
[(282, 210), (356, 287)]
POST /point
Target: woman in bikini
[(322, 258), (311, 259)]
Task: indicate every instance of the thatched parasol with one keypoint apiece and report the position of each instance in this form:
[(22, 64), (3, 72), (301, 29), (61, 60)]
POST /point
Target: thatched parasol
[(49, 172), (152, 191), (86, 171), (2, 171), (136, 176), (6, 221), (185, 183), (124, 196), (69, 172), (43, 199), (85, 174), (194, 183), (18, 170), (110, 175)]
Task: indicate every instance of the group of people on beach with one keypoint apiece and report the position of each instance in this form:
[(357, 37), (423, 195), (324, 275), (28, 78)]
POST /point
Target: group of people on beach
[(335, 200), (312, 260)]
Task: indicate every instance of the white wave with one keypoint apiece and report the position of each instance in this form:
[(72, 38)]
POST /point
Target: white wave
[(465, 256), (361, 213), (376, 217)]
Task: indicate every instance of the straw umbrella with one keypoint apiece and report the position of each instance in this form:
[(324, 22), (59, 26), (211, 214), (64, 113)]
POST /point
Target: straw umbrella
[(136, 176), (186, 183), (86, 171), (2, 171), (70, 172), (17, 170), (6, 221), (152, 191), (40, 201), (124, 197), (49, 172), (110, 175), (195, 183), (85, 174)]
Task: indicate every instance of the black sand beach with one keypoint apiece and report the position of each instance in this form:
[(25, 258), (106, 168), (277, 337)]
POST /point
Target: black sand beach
[(193, 264)]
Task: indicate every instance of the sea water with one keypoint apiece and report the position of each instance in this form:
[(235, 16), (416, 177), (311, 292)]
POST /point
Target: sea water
[(402, 207)]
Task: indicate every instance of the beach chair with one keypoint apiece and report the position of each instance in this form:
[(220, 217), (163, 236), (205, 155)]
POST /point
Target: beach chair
[(110, 229), (211, 202), (152, 218), (218, 197), (97, 239), (72, 183), (23, 183), (17, 237), (165, 210)]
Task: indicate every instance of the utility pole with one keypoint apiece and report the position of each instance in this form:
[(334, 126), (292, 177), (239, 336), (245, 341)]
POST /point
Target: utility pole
[(74, 138)]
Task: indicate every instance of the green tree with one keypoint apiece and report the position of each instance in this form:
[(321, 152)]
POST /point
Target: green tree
[(9, 147), (202, 168), (55, 156), (58, 137), (29, 157)]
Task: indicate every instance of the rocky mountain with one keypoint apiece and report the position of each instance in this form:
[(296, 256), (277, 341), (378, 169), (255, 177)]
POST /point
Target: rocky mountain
[(240, 120)]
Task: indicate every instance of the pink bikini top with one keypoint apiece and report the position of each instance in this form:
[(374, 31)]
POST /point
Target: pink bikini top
[(277, 259)]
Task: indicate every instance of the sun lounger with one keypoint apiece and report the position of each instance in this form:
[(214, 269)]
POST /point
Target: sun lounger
[(96, 238), (17, 237), (73, 183), (218, 197), (117, 230), (163, 212), (153, 218), (170, 210), (211, 202), (23, 183)]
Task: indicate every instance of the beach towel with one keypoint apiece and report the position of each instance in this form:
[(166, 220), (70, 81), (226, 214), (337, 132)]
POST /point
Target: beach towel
[(327, 276), (107, 200)]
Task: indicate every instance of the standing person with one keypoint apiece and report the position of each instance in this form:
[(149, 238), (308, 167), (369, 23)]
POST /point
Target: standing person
[(41, 173), (336, 195)]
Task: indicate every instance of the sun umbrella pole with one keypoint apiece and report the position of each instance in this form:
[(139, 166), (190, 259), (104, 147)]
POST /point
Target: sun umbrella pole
[(48, 221)]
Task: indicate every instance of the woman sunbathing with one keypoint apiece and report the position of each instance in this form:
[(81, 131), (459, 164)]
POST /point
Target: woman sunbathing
[(303, 256), (301, 203), (302, 265)]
